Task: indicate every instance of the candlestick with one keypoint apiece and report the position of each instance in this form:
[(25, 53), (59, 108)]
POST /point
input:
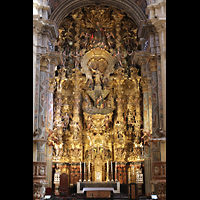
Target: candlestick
[(108, 171), (84, 172), (111, 172), (80, 173), (89, 171), (116, 172)]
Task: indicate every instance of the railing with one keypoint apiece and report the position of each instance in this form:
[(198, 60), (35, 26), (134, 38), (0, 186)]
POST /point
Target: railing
[(39, 171), (159, 170)]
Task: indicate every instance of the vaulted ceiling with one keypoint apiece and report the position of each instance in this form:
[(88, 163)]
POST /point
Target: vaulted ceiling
[(135, 9)]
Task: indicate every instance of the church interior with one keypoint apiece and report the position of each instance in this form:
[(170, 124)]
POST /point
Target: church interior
[(99, 99)]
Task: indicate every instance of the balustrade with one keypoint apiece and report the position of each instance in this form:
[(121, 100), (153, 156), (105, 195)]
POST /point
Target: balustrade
[(39, 171), (159, 170)]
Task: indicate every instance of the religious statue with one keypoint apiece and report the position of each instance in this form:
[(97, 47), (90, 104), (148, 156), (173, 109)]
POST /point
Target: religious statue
[(119, 58), (110, 39), (89, 122), (85, 39), (99, 101), (77, 58), (131, 57), (97, 76), (58, 150), (107, 122), (52, 139), (99, 32)]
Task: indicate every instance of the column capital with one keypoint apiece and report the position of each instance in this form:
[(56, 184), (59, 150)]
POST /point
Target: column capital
[(44, 61), (152, 62), (52, 84), (144, 83), (140, 57), (54, 57)]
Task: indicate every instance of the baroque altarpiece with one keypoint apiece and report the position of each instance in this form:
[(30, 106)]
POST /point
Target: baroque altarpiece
[(98, 92), (105, 105)]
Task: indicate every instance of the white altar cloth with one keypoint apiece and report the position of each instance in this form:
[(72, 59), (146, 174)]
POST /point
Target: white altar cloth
[(98, 189)]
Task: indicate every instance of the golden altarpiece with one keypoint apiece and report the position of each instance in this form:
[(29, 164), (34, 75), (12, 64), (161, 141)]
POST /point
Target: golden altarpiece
[(102, 110), (98, 95)]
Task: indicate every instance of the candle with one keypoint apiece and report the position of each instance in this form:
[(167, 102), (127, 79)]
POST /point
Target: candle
[(80, 167), (89, 167), (111, 167), (107, 167), (84, 167)]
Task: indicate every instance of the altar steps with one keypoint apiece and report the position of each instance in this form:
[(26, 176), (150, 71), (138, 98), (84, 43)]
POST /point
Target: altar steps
[(82, 197)]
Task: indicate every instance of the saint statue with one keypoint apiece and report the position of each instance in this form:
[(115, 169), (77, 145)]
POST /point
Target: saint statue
[(99, 101), (97, 76)]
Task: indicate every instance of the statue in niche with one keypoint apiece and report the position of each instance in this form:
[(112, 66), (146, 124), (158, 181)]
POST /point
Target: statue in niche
[(99, 32), (75, 128), (97, 76), (99, 101)]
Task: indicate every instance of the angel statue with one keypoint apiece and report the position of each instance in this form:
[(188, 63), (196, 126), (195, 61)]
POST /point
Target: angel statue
[(52, 139), (77, 58), (119, 58)]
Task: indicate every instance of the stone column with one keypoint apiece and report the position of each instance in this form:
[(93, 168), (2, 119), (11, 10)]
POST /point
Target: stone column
[(49, 149), (43, 101), (160, 100), (147, 159), (155, 150), (162, 39)]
